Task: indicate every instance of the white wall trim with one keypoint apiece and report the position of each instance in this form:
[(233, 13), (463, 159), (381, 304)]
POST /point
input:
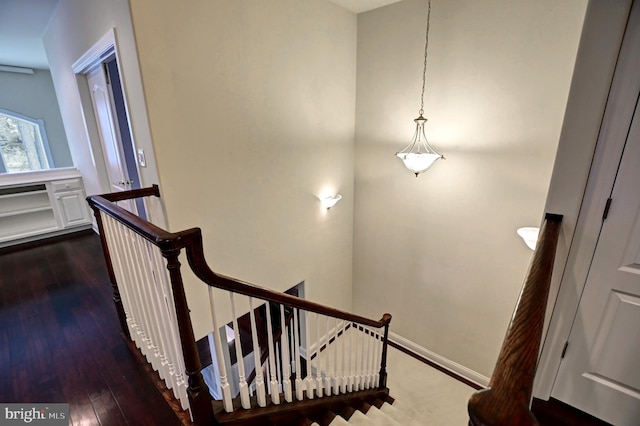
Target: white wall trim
[(443, 362), (94, 56)]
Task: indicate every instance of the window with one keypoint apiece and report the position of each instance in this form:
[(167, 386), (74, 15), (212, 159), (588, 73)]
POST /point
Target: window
[(23, 144)]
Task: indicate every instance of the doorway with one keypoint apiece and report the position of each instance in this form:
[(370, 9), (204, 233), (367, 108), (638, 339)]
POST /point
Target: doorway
[(108, 108)]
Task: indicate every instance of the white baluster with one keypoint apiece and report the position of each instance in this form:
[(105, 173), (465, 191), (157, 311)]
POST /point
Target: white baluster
[(351, 381), (174, 349), (336, 371), (309, 380), (367, 352), (319, 385), (175, 356), (286, 360), (377, 359), (137, 261), (139, 302), (245, 401), (296, 333), (257, 352), (159, 314), (327, 374), (273, 384), (361, 370), (114, 251), (374, 356), (224, 384), (125, 282), (343, 370)]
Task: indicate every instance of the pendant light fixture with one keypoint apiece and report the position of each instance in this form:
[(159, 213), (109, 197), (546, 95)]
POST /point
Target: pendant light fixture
[(418, 156)]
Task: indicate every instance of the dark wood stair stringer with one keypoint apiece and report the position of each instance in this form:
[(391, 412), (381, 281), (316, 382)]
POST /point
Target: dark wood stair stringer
[(316, 410)]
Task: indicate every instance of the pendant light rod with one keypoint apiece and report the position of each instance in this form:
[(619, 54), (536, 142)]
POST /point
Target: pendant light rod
[(426, 52)]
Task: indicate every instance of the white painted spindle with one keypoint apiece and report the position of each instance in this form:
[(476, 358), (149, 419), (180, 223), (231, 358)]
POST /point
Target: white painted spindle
[(362, 358), (273, 384), (296, 333), (367, 359), (227, 401), (286, 359), (257, 352), (245, 400), (174, 348), (352, 355), (159, 315), (336, 371), (343, 366), (319, 384), (309, 383), (327, 361)]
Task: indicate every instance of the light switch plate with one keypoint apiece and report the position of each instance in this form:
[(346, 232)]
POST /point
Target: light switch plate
[(141, 159)]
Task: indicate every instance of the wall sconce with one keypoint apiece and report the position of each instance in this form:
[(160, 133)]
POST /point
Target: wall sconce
[(330, 201), (529, 235)]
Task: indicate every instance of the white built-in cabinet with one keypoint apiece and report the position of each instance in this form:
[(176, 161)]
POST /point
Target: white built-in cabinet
[(40, 204)]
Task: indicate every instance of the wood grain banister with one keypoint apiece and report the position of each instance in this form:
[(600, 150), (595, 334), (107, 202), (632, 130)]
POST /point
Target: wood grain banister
[(506, 401), (195, 256), (156, 235), (191, 240), (170, 245)]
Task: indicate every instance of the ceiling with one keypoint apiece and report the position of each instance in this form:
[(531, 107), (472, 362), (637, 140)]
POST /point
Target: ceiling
[(22, 23)]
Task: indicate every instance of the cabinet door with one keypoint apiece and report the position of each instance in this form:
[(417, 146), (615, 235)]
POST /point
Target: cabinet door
[(72, 208)]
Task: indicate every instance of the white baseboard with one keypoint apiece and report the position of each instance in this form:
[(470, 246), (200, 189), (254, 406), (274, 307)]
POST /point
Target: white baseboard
[(443, 362)]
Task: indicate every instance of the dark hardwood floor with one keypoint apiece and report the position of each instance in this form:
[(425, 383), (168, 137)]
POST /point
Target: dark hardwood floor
[(60, 339)]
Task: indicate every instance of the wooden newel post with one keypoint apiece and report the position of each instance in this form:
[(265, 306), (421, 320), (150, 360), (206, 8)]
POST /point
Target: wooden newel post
[(199, 397), (386, 318), (117, 301), (506, 400)]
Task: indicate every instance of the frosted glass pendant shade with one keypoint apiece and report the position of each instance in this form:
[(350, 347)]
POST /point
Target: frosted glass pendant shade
[(418, 156), (418, 163)]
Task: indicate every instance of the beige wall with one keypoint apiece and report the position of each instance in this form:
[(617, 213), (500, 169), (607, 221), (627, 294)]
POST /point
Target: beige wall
[(251, 106), (440, 251)]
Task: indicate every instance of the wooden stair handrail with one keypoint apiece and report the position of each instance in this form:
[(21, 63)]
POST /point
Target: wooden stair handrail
[(507, 399), (191, 241)]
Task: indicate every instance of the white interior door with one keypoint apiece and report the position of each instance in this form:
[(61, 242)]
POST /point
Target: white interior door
[(109, 136), (600, 373)]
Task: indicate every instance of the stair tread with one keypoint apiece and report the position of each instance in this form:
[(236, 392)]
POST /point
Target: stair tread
[(339, 421), (359, 418), (382, 418), (399, 414)]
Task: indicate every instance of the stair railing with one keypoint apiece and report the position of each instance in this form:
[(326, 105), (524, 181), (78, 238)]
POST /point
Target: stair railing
[(323, 352), (507, 399)]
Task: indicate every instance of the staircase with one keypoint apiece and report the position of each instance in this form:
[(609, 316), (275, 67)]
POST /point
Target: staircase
[(293, 361), (380, 413)]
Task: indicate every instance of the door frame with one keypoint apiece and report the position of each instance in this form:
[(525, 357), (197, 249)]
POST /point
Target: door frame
[(101, 52), (583, 227)]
